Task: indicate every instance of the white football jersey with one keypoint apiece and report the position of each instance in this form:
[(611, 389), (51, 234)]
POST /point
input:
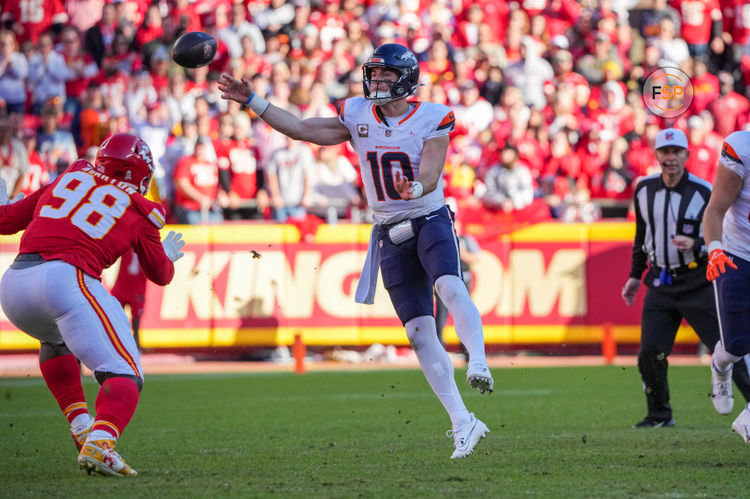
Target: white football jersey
[(385, 146), (735, 155)]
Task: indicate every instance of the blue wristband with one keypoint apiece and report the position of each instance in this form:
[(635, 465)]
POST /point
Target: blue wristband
[(247, 102)]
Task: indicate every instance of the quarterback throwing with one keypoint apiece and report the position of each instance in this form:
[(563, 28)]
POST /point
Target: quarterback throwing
[(401, 147)]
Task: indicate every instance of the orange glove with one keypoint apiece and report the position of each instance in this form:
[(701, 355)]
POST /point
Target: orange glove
[(718, 261)]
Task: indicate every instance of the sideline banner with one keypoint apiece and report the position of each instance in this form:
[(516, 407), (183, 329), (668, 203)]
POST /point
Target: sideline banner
[(258, 285)]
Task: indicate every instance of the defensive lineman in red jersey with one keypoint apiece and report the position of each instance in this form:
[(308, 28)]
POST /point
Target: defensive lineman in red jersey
[(74, 228)]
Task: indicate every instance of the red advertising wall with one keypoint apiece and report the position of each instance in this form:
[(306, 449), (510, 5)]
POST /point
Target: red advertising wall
[(259, 285)]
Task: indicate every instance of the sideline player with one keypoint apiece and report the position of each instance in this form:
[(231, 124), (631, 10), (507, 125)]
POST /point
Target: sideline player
[(130, 290), (401, 148), (75, 227), (727, 232)]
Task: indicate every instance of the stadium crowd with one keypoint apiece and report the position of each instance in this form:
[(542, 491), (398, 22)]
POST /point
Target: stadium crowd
[(547, 96)]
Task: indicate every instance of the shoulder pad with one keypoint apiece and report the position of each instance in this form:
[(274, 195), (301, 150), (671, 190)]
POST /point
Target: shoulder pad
[(78, 165)]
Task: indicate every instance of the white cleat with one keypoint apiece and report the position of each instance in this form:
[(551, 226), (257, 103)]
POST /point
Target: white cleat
[(742, 425), (466, 436), (721, 390), (478, 376)]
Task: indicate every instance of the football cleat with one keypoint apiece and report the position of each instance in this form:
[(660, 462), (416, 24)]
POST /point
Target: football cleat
[(80, 433), (466, 436), (100, 456), (721, 390), (649, 422), (478, 376), (742, 425)]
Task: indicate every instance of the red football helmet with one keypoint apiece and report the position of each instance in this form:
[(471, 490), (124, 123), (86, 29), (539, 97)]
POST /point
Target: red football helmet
[(128, 158)]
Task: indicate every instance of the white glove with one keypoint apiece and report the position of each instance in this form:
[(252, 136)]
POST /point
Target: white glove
[(172, 244), (4, 194)]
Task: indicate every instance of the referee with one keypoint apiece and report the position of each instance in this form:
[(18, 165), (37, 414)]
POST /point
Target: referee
[(669, 242)]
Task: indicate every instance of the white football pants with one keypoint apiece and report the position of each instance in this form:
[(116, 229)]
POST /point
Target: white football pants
[(56, 302)]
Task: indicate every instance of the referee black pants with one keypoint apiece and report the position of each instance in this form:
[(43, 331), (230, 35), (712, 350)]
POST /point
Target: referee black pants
[(664, 307)]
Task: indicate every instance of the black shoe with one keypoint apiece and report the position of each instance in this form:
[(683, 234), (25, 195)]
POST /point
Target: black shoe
[(649, 422)]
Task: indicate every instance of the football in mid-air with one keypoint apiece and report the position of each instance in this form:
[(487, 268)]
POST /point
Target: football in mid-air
[(194, 49)]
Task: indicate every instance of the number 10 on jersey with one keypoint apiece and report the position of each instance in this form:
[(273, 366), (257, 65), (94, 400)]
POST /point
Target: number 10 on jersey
[(382, 172)]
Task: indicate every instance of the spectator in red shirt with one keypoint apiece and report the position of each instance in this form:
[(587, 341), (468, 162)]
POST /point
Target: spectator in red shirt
[(614, 180), (705, 85), (185, 16), (198, 198), (81, 68), (158, 67), (467, 34), (221, 60), (562, 65), (729, 109), (29, 19), (614, 115), (518, 27), (561, 15), (438, 67), (701, 25), (563, 161), (254, 62), (246, 178), (151, 29), (562, 112), (703, 159), (736, 26)]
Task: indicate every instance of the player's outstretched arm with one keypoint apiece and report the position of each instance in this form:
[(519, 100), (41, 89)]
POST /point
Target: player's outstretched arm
[(322, 131)]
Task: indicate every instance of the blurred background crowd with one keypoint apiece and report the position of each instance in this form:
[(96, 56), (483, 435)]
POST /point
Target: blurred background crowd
[(547, 95)]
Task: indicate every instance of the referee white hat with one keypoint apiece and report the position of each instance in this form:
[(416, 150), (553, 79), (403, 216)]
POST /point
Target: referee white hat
[(670, 137)]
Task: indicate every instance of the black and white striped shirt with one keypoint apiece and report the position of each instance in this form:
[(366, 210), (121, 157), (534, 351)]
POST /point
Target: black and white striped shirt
[(662, 213)]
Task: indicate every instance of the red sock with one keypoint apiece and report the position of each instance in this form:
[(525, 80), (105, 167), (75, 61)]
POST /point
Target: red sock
[(115, 405), (63, 377)]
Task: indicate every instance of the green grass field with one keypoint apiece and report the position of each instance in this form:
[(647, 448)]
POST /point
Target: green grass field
[(555, 432)]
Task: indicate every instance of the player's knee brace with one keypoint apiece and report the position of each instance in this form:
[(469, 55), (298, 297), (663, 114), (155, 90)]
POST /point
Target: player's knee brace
[(420, 330), (102, 376), (50, 351)]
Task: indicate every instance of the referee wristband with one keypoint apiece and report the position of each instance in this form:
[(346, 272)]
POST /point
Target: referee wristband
[(416, 190), (258, 104), (713, 245)]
